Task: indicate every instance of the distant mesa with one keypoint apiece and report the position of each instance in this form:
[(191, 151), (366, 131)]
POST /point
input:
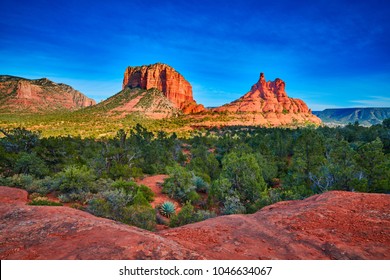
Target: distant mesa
[(344, 116), (165, 79), (269, 103), (41, 95)]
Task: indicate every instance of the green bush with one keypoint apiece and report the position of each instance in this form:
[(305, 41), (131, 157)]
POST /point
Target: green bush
[(188, 215), (185, 216), (30, 163), (110, 204), (99, 207), (200, 184), (132, 188), (139, 199), (140, 216), (44, 201), (23, 181), (232, 205), (75, 179), (180, 185), (202, 215)]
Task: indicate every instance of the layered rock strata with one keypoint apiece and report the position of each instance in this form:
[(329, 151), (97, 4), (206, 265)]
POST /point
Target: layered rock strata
[(166, 79), (41, 95)]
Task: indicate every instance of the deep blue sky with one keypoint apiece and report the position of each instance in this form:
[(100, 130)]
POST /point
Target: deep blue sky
[(329, 53)]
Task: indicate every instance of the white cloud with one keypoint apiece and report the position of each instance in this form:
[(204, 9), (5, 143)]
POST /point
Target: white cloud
[(373, 101), (320, 107)]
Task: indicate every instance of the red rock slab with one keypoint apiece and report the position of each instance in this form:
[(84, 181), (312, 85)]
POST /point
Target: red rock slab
[(333, 225), (49, 232)]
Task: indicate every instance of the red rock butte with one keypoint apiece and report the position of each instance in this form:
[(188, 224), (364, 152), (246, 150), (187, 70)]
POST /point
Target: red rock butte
[(166, 79), (271, 98)]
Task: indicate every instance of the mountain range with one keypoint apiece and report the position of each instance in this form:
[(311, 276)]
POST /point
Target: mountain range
[(343, 116), (158, 91)]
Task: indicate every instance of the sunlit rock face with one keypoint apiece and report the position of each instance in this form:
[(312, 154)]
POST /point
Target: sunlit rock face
[(20, 94), (270, 98), (166, 79)]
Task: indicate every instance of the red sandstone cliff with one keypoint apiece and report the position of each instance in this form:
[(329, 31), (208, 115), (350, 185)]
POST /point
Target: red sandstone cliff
[(19, 94), (270, 99), (166, 79)]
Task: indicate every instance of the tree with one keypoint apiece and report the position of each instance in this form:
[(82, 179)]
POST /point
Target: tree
[(30, 163), (308, 158), (180, 185), (19, 139), (375, 165), (245, 176)]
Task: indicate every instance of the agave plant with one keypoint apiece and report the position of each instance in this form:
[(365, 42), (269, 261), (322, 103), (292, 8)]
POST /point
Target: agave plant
[(167, 209)]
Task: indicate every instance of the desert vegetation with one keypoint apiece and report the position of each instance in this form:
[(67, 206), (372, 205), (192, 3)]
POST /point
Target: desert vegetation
[(219, 171)]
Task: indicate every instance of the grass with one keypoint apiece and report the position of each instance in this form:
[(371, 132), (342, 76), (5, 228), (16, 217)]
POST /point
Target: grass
[(43, 201)]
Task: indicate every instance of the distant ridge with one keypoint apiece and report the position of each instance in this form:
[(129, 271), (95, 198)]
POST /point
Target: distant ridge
[(38, 96), (343, 116)]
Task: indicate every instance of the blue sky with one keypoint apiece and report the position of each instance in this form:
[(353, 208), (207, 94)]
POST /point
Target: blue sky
[(329, 53)]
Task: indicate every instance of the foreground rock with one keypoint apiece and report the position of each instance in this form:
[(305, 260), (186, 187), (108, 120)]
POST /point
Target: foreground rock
[(42, 95), (334, 225), (47, 232)]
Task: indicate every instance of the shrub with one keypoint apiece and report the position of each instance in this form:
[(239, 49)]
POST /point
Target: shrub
[(147, 192), (245, 176), (202, 215), (139, 199), (185, 216), (232, 205), (179, 185), (120, 171), (23, 181), (44, 201), (140, 216), (110, 204), (188, 215), (200, 184), (45, 185), (132, 188), (74, 197), (75, 179), (99, 207), (5, 181)]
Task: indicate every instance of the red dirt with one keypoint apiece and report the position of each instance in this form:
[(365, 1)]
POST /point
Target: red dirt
[(155, 184), (333, 225)]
